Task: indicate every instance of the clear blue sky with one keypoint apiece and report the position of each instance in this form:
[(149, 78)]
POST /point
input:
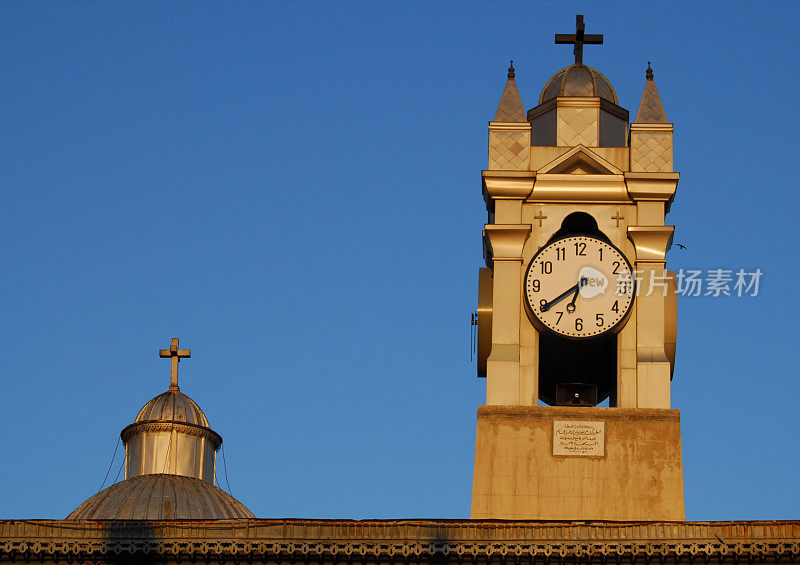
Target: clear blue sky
[(294, 191)]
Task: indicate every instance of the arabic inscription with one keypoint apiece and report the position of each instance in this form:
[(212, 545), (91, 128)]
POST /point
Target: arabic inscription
[(572, 437)]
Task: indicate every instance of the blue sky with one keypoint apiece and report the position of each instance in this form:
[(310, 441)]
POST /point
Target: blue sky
[(293, 189)]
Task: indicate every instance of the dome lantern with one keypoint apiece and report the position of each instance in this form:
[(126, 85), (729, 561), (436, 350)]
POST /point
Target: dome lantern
[(171, 434), (578, 105)]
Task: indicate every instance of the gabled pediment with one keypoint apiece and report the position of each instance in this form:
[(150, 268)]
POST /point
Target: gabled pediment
[(579, 161)]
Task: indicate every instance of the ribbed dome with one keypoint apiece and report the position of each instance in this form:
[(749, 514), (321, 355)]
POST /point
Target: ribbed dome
[(578, 80), (172, 406), (161, 497)]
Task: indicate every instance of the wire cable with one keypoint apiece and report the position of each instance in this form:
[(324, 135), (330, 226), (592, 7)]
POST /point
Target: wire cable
[(111, 464), (121, 465), (225, 466)]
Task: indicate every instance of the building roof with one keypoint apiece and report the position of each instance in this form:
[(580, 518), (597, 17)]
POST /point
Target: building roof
[(172, 406), (161, 497), (403, 541), (578, 80)]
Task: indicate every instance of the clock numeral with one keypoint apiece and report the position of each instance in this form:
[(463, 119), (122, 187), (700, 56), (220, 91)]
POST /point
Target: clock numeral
[(580, 248), (601, 253), (536, 285), (542, 304), (616, 268), (615, 307), (559, 316), (547, 267), (578, 324), (599, 318), (561, 253)]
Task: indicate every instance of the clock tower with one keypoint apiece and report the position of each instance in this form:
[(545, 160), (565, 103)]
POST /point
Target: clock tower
[(577, 312)]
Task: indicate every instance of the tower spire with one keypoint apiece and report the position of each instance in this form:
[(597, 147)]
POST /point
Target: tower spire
[(651, 110), (510, 108)]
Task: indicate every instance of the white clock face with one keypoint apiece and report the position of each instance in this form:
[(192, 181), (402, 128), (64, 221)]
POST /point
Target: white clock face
[(579, 287)]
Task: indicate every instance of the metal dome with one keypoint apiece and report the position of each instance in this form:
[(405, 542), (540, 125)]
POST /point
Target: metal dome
[(161, 497), (172, 406), (578, 80), (171, 435)]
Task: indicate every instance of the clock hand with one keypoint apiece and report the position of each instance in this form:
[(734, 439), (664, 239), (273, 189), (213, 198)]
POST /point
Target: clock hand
[(559, 298), (571, 305)]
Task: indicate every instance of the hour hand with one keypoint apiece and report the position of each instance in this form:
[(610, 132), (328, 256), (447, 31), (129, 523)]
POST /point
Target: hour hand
[(571, 305), (546, 306)]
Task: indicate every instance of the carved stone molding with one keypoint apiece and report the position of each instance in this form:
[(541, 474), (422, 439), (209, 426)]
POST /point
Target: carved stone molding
[(651, 242), (590, 189), (643, 186), (506, 240), (400, 541), (507, 185), (157, 426), (206, 551)]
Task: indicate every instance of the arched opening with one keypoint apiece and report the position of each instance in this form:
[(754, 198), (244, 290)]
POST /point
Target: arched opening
[(577, 372), (579, 223)]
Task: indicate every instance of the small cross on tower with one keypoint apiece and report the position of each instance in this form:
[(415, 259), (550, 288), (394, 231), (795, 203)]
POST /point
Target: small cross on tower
[(175, 356), (579, 39)]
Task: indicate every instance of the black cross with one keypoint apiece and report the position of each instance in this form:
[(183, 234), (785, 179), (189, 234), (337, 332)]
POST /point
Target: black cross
[(579, 39)]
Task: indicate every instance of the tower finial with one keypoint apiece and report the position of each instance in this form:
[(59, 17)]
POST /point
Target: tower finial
[(649, 74), (511, 69), (175, 356)]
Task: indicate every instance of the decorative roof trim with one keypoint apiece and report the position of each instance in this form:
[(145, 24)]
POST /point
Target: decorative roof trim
[(652, 127), (509, 126), (578, 102), (132, 430), (472, 541), (541, 109)]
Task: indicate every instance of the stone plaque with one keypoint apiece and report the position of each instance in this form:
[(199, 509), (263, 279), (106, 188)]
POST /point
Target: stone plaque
[(574, 437)]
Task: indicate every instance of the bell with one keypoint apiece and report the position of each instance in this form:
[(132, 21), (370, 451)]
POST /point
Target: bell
[(576, 394)]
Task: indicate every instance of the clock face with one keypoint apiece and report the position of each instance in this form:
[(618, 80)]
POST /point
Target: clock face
[(579, 287)]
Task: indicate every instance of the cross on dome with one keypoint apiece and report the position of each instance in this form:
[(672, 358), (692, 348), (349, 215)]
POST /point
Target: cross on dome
[(175, 356), (579, 39)]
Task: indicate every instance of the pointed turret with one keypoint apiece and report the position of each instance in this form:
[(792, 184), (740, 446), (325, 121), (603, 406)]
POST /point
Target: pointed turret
[(509, 131), (651, 110), (651, 132), (510, 108)]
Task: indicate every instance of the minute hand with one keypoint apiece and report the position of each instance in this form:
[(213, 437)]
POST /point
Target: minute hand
[(559, 298)]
